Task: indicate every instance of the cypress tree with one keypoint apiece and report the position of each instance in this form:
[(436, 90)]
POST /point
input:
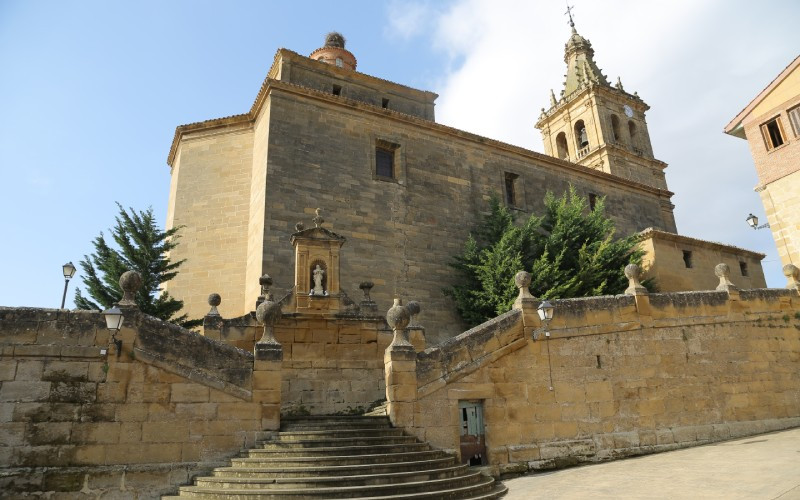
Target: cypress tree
[(140, 246), (570, 251)]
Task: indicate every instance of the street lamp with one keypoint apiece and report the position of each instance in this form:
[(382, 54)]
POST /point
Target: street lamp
[(69, 272), (114, 320), (545, 311), (752, 221)]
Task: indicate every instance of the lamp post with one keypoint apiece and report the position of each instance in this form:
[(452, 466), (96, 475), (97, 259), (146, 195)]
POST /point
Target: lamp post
[(114, 321), (69, 272), (545, 311), (752, 221)]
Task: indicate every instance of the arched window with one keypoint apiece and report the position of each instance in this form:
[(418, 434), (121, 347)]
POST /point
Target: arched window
[(632, 132), (561, 146), (339, 63), (615, 129), (581, 137)]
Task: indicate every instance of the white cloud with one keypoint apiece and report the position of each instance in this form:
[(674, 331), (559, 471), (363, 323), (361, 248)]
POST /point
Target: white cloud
[(695, 63), (409, 19)]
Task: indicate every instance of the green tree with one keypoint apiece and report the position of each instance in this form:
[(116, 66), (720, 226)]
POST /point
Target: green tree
[(140, 246), (570, 251)]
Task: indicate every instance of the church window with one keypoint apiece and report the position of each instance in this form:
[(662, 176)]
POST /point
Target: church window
[(687, 258), (773, 133), (337, 89), (339, 62), (385, 103), (592, 201), (384, 162), (794, 117), (632, 131), (615, 135), (743, 268), (561, 146), (511, 189)]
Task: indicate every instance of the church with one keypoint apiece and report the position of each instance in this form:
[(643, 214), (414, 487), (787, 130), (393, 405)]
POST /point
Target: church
[(404, 190)]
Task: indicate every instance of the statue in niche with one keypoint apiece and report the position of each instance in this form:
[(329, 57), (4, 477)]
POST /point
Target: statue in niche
[(318, 276)]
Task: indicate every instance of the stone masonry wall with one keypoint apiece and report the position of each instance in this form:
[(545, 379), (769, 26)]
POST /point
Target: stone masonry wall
[(782, 206), (77, 419), (330, 365), (402, 234), (630, 375)]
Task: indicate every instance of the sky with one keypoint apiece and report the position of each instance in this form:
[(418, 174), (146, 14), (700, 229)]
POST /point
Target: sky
[(91, 93)]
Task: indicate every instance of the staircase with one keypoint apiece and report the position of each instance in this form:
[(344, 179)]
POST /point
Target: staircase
[(343, 457)]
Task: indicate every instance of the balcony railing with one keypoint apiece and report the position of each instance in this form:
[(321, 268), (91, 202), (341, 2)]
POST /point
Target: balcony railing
[(583, 152)]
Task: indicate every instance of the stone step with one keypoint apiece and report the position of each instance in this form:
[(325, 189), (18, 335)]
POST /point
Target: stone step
[(379, 458), (336, 433), (334, 470), (346, 441), (329, 481), (335, 420), (321, 451), (472, 482)]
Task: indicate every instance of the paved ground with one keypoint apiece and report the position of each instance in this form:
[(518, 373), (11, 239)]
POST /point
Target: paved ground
[(759, 467)]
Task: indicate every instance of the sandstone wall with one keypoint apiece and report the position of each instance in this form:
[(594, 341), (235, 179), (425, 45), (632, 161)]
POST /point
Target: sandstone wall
[(330, 364), (782, 206), (77, 419), (402, 234), (629, 376)]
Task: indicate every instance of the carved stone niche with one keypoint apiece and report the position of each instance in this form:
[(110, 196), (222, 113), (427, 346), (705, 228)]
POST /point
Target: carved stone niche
[(316, 259)]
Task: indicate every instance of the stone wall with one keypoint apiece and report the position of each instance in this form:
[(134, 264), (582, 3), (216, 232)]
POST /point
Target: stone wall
[(330, 365), (76, 417), (630, 375)]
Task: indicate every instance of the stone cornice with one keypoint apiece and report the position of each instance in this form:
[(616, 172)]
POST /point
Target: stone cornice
[(657, 234), (289, 88), (635, 101)]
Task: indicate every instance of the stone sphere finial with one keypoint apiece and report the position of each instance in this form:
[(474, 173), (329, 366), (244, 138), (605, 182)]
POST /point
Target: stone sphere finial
[(214, 300), (413, 309), (723, 272), (365, 287), (299, 227), (792, 274), (335, 39), (130, 282), (523, 281), (398, 317), (633, 272), (267, 313)]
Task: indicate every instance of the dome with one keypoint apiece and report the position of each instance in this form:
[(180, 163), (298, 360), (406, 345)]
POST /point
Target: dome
[(334, 53)]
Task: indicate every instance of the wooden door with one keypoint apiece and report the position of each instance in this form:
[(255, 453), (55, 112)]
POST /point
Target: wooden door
[(473, 438)]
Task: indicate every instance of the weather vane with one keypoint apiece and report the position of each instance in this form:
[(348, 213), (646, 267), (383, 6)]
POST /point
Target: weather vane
[(569, 13)]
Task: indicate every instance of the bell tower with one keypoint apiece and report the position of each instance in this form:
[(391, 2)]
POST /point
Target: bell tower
[(596, 124)]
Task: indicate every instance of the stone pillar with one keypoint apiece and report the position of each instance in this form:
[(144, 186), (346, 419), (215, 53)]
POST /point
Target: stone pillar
[(268, 356), (526, 303), (400, 369), (723, 272)]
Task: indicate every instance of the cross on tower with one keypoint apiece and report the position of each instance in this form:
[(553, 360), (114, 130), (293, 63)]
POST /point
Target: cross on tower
[(569, 13)]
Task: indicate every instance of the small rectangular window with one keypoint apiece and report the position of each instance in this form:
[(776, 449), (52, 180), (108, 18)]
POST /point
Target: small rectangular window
[(511, 189), (385, 103), (687, 258), (592, 201), (337, 89), (794, 117), (384, 162), (773, 133), (743, 268)]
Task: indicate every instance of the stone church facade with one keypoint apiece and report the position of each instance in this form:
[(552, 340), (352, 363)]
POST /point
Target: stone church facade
[(404, 190)]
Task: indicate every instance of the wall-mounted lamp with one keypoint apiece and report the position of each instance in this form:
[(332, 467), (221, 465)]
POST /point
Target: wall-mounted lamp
[(752, 221), (69, 272), (114, 320)]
